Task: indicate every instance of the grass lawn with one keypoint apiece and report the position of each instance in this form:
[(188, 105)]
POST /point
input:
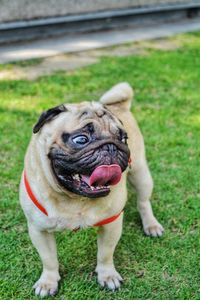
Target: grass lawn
[(167, 107)]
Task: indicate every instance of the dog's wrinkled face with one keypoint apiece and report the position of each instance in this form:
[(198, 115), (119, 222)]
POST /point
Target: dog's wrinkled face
[(89, 157)]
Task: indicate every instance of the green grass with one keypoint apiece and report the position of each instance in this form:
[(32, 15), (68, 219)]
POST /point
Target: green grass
[(167, 107)]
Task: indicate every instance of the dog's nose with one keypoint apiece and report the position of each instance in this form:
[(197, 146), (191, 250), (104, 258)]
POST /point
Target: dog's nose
[(111, 148)]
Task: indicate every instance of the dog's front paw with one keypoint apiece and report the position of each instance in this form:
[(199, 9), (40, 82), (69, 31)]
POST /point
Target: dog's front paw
[(47, 285), (108, 277), (153, 228)]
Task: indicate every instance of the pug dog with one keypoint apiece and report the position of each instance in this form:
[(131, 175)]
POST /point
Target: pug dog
[(75, 172)]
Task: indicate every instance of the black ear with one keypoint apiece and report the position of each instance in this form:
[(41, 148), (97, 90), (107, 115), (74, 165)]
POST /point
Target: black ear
[(47, 116)]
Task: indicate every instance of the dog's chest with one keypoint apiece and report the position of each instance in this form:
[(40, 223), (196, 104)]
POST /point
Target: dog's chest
[(75, 216), (85, 212), (77, 221)]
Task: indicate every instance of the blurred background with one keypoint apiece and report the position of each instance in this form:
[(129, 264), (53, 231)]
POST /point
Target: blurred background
[(25, 20)]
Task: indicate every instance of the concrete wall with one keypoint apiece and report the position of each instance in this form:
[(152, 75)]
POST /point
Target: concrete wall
[(15, 10)]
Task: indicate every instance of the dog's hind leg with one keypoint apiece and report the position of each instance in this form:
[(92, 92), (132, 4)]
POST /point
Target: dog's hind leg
[(141, 179), (44, 242)]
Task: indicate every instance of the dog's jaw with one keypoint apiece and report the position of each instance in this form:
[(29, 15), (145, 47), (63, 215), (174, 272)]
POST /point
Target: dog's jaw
[(91, 179)]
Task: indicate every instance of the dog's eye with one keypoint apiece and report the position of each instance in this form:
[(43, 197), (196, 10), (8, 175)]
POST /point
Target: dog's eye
[(80, 140), (122, 136), (124, 139)]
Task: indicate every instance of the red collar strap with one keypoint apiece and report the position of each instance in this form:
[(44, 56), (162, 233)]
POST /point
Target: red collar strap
[(108, 220), (42, 209), (32, 196)]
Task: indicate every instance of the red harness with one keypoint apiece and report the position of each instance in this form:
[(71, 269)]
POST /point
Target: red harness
[(42, 209)]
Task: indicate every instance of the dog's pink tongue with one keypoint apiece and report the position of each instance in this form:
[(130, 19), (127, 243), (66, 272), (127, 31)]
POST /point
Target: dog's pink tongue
[(105, 174)]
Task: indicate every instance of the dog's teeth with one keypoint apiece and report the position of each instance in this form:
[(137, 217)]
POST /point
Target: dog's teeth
[(76, 177), (98, 187)]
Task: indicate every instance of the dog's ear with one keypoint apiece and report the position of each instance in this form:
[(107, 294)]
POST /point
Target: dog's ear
[(47, 116), (119, 95)]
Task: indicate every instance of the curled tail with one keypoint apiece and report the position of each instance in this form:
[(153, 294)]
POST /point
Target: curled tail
[(121, 93)]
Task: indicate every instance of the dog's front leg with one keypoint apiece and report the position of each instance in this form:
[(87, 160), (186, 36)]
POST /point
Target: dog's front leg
[(108, 237), (45, 244)]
